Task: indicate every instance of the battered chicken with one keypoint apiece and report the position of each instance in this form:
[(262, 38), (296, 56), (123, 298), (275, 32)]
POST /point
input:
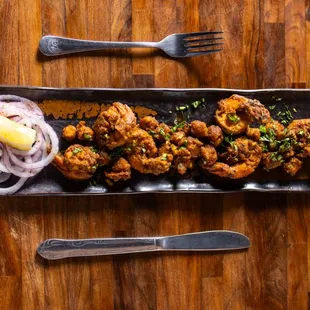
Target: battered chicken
[(69, 133), (83, 132), (120, 171), (77, 163), (114, 125), (215, 135), (199, 129)]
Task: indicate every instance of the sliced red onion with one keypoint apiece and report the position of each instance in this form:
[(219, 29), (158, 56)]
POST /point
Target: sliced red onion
[(25, 164)]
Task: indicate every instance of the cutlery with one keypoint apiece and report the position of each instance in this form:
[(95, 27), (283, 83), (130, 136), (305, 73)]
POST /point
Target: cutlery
[(216, 240), (175, 45)]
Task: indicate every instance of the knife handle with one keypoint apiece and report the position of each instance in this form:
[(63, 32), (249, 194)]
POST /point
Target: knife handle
[(63, 248)]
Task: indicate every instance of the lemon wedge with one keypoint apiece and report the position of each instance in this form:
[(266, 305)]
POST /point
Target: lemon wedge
[(16, 135)]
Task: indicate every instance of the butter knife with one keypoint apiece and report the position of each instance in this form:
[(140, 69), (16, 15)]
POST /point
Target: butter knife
[(216, 240)]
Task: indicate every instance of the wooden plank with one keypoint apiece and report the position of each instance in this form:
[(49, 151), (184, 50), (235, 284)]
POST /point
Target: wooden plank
[(295, 42), (275, 254), (234, 273), (53, 22), (210, 74), (274, 11), (102, 279), (297, 252), (211, 214), (142, 30), (10, 292), (121, 30), (56, 275), (274, 56), (253, 43), (212, 293), (145, 266), (254, 230)]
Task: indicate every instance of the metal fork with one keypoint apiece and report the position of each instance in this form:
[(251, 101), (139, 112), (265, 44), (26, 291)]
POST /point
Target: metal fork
[(175, 45)]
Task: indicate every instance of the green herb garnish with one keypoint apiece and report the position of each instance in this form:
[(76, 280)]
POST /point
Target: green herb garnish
[(76, 151), (233, 117), (164, 156), (87, 136), (177, 126), (272, 107)]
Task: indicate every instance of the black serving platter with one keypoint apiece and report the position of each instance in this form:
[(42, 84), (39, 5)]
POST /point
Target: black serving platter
[(164, 102)]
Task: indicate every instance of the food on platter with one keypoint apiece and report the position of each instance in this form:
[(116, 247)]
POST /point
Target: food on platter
[(243, 138), (27, 142)]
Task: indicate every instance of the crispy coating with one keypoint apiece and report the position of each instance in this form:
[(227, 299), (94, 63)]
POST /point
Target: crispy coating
[(104, 158), (215, 135), (154, 165), (299, 130), (209, 156), (271, 160), (253, 133), (277, 128), (69, 133), (84, 133), (114, 125), (159, 131), (235, 113), (249, 155), (120, 171), (77, 163), (292, 166), (149, 123), (199, 129), (141, 142)]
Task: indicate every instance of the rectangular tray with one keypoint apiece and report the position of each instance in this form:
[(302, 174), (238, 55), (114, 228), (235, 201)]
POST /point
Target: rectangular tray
[(51, 182)]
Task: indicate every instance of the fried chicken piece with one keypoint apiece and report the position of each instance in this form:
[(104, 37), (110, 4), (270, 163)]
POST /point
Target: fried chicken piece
[(77, 163), (149, 123), (104, 158), (215, 135), (120, 171), (209, 156), (114, 125), (292, 166), (141, 142), (159, 131), (248, 155), (271, 160), (83, 132), (253, 133), (69, 133), (199, 129)]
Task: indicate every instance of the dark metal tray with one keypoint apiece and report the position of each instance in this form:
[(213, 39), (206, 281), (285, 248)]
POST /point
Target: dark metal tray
[(51, 182)]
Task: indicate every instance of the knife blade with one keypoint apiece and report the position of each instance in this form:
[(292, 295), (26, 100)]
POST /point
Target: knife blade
[(216, 240)]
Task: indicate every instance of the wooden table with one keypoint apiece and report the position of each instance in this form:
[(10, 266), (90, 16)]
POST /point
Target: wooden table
[(266, 44)]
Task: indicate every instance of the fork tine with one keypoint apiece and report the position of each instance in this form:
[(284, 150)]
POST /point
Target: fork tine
[(192, 48), (187, 42), (197, 34), (203, 52)]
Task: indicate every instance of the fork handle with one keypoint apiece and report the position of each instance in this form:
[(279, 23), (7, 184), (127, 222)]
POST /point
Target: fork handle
[(53, 45)]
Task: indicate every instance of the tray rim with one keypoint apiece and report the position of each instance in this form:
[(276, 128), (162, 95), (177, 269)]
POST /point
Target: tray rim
[(177, 90)]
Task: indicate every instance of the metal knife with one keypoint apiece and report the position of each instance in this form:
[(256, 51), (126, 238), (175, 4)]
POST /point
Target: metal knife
[(216, 240)]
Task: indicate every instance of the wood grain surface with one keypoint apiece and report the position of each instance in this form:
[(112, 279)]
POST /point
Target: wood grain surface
[(266, 46)]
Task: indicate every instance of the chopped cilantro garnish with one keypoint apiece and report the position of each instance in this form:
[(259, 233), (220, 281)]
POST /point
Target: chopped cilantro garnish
[(233, 117), (164, 156), (76, 151), (87, 136), (178, 125)]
